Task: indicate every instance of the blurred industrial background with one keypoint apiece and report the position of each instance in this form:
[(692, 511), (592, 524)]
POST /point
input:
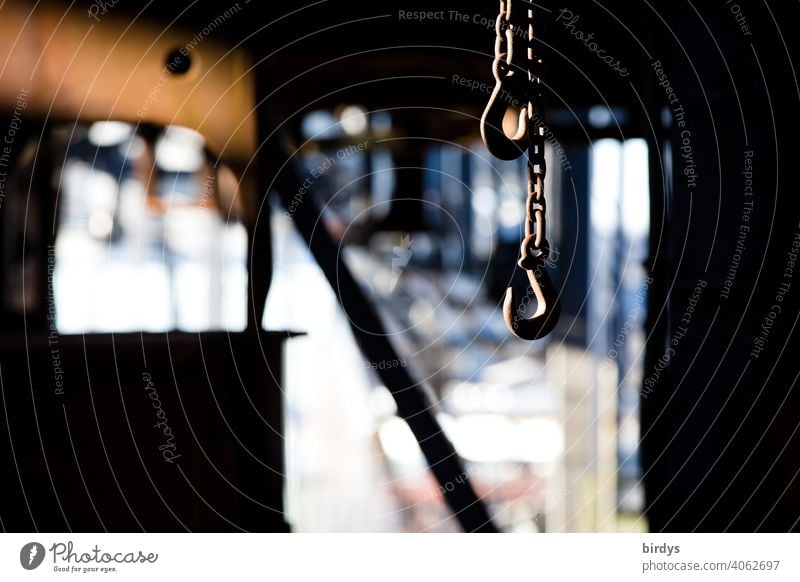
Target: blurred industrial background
[(149, 244)]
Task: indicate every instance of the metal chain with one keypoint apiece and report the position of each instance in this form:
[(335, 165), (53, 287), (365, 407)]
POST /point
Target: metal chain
[(518, 75), (535, 245)]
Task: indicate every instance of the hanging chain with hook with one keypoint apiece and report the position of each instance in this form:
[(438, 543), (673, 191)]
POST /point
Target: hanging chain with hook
[(516, 71)]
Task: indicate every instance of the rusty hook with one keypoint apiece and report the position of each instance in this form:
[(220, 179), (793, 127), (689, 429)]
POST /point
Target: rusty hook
[(499, 144), (510, 91), (517, 86), (548, 306)]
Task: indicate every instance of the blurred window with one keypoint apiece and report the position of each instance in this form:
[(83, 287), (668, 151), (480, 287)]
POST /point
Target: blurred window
[(145, 241)]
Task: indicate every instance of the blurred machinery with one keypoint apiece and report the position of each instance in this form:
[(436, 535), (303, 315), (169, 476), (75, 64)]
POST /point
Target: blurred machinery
[(140, 389)]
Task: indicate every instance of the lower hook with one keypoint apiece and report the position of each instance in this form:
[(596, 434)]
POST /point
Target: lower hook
[(548, 306)]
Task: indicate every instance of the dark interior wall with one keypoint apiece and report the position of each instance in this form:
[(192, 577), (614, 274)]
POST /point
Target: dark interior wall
[(720, 412), (141, 432)]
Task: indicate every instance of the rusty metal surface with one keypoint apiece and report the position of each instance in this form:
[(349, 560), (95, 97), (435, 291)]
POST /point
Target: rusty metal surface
[(518, 86), (74, 68)]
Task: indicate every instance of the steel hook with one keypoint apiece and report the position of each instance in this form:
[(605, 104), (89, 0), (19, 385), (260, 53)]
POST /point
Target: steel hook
[(548, 306), (510, 86), (499, 144)]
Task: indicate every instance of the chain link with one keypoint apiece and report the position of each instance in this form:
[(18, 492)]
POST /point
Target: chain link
[(517, 70), (510, 65)]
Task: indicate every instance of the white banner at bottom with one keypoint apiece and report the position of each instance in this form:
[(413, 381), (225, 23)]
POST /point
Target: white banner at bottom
[(399, 557)]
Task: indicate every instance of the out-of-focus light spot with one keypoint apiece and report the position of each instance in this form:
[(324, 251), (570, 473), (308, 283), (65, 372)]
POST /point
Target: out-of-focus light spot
[(180, 149), (635, 204), (109, 133), (484, 200), (484, 229), (399, 443), (320, 125), (422, 314), (354, 120), (666, 117), (606, 183), (381, 402), (101, 224), (510, 213), (538, 440), (600, 116), (486, 437), (133, 149), (381, 122)]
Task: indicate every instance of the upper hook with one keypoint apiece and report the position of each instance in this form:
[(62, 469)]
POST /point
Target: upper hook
[(499, 144), (510, 91)]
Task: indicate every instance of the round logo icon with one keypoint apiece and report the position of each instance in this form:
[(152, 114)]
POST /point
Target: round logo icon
[(31, 555)]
